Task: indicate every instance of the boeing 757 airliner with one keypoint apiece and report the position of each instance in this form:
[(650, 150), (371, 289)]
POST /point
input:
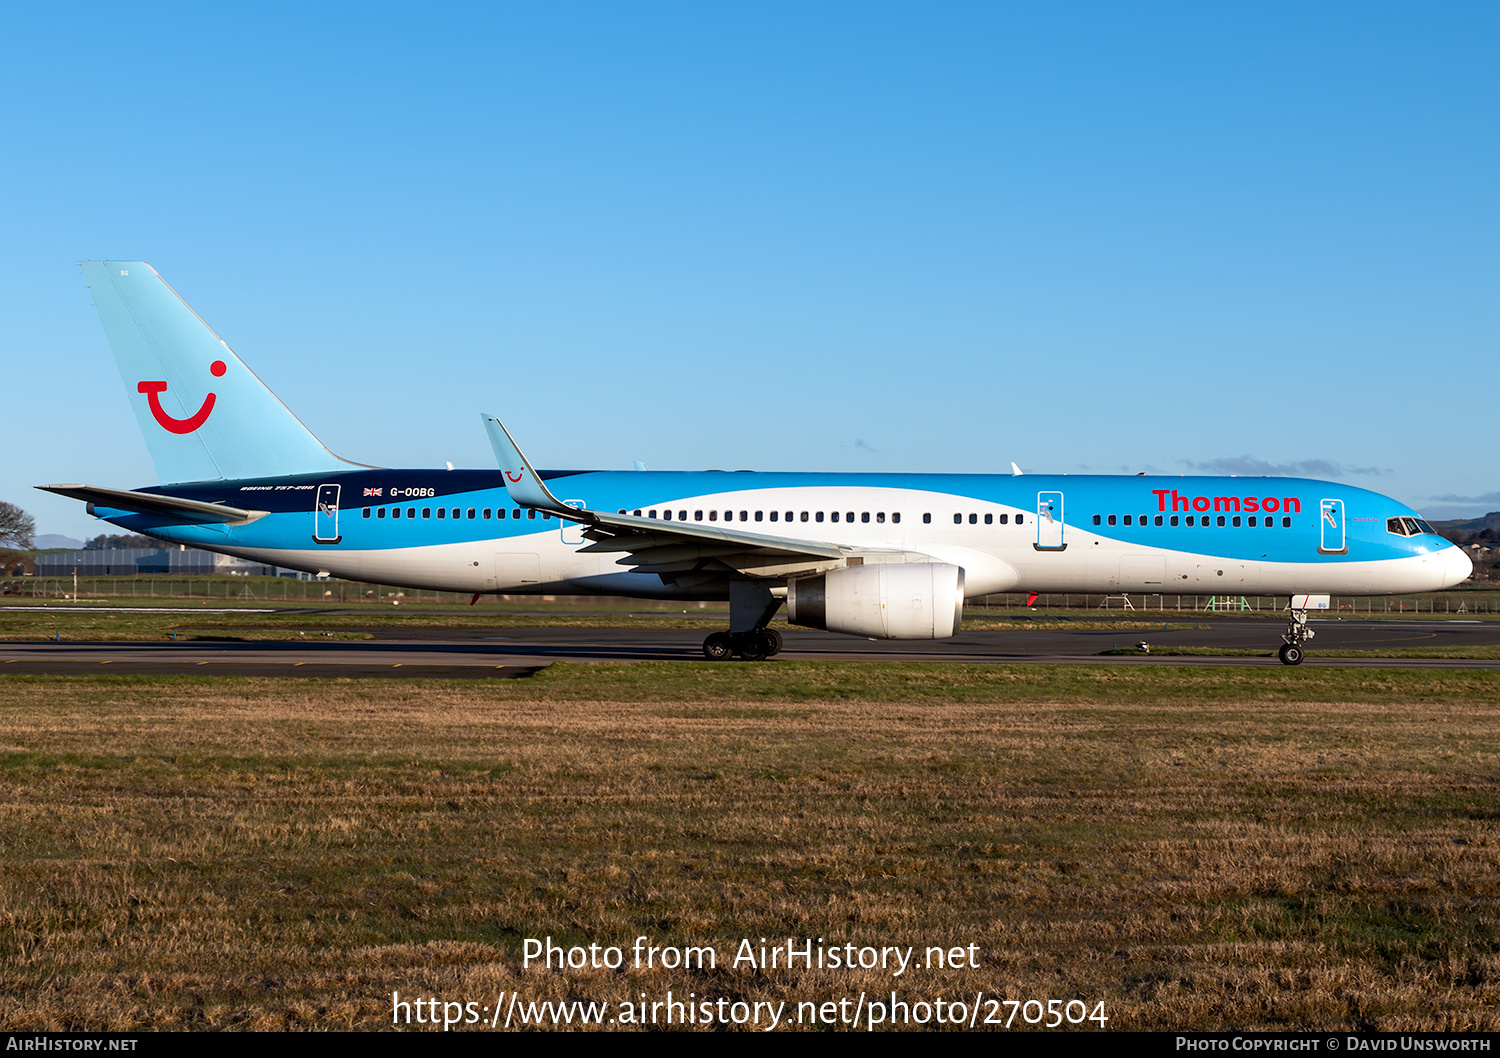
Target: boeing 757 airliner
[(878, 555)]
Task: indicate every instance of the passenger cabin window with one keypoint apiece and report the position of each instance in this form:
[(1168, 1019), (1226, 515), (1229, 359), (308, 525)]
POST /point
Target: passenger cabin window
[(1127, 519), (1020, 518), (958, 519), (380, 513), (697, 516), (1111, 519), (442, 512), (926, 519), (864, 516), (427, 512), (989, 519), (1174, 519), (804, 517), (880, 517), (1286, 523), (759, 515), (895, 517), (1005, 519), (818, 517), (367, 512)]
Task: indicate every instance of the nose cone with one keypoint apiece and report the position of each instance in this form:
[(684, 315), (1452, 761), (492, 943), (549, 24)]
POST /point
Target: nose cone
[(1457, 566)]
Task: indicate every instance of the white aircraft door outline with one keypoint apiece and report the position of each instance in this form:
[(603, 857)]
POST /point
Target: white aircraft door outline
[(1049, 522), (572, 532), (1333, 539), (326, 516)]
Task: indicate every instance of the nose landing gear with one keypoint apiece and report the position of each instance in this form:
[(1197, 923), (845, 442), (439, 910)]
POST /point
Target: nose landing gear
[(1297, 632)]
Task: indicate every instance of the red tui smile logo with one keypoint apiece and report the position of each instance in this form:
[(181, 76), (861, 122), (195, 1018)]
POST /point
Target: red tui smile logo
[(192, 422)]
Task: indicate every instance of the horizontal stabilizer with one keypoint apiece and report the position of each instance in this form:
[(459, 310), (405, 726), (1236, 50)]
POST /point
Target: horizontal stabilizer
[(192, 511)]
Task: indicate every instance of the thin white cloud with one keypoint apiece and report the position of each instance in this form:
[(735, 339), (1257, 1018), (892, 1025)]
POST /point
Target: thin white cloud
[(1249, 466), (1488, 497)]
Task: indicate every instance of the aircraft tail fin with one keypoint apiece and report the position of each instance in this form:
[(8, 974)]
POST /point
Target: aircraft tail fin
[(204, 414)]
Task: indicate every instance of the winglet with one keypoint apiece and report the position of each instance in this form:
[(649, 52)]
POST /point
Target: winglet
[(1015, 471), (521, 481)]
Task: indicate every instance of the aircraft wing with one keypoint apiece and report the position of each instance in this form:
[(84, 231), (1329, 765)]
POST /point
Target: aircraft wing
[(183, 510), (656, 545)]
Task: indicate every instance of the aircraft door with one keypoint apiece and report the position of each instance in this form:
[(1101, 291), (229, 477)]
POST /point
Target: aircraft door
[(572, 532), (1332, 539), (326, 516), (1049, 522)]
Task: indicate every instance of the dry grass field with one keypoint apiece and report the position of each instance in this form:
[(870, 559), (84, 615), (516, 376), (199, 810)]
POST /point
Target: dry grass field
[(1195, 848)]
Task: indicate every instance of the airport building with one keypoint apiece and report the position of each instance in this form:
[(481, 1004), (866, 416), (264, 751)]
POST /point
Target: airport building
[(131, 561)]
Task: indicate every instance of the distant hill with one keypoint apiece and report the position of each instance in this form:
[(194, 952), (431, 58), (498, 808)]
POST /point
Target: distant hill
[(1470, 525), (47, 541)]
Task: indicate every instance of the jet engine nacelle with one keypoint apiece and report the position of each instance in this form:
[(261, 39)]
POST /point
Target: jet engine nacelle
[(920, 600)]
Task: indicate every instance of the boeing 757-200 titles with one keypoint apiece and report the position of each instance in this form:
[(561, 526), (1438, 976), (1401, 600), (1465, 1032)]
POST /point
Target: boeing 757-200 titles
[(879, 555)]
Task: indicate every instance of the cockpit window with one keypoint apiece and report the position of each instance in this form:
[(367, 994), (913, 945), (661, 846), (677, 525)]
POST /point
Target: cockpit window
[(1408, 527)]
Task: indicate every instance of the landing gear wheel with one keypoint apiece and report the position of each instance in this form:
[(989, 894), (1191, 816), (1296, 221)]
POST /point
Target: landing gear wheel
[(753, 646), (775, 641), (718, 647), (1291, 654)]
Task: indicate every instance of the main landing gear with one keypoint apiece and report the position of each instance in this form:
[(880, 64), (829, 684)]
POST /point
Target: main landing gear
[(755, 645), (751, 607), (1296, 634)]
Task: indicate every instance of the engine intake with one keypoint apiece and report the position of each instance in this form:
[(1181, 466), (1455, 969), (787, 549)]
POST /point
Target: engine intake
[(919, 600)]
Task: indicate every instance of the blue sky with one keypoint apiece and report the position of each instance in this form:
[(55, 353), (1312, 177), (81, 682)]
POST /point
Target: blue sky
[(1179, 238)]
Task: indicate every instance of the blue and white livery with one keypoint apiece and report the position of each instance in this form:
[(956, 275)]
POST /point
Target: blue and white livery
[(879, 555)]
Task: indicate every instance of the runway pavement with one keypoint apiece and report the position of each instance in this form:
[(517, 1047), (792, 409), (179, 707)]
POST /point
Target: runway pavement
[(482, 653)]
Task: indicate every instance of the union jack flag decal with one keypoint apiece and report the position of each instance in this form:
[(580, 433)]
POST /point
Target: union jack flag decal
[(373, 492)]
